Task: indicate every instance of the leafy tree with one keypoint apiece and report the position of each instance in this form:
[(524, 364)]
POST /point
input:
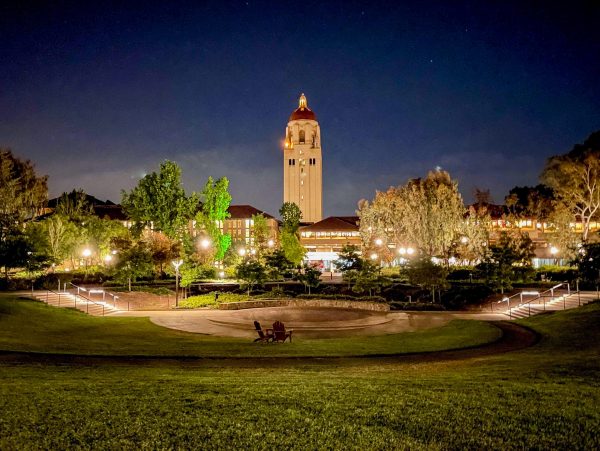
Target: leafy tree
[(292, 249), (22, 193), (134, 263), (160, 200), (213, 212), (62, 236), (424, 273), (261, 234), (574, 179), (310, 277), (15, 249), (290, 216), (75, 206), (289, 239), (588, 263), (349, 259), (162, 248), (531, 202), (510, 252), (278, 265), (252, 272), (367, 278), (427, 214)]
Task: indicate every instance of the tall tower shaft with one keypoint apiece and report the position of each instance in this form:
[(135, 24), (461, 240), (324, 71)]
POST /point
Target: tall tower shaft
[(302, 163)]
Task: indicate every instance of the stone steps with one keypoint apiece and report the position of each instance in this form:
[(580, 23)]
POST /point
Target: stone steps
[(68, 300), (556, 304)]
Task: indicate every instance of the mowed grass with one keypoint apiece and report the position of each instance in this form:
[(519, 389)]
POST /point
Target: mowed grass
[(35, 327), (544, 397)]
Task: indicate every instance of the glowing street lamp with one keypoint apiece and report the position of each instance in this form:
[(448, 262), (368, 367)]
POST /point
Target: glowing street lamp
[(205, 243), (464, 240), (373, 256), (554, 250), (270, 243), (177, 264), (378, 241), (402, 251), (86, 254), (242, 251), (410, 251), (108, 258)]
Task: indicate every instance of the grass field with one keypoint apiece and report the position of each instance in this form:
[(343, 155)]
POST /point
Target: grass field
[(543, 397)]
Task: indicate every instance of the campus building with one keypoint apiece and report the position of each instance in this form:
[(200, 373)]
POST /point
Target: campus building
[(324, 239), (302, 163)]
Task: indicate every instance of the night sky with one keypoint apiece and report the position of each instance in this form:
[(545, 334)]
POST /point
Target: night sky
[(99, 95)]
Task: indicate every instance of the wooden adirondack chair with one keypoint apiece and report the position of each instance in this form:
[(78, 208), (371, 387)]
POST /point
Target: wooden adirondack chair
[(279, 332), (262, 336)]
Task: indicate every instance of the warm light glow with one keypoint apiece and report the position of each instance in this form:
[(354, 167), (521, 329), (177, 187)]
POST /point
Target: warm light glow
[(222, 274), (452, 260), (464, 240), (108, 258), (410, 251), (242, 251), (114, 252), (270, 243), (252, 251), (86, 253), (177, 263), (373, 256), (554, 250), (205, 243), (378, 241), (402, 251)]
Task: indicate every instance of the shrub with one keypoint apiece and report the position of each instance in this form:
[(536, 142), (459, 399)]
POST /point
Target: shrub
[(342, 297), (209, 300), (416, 306), (458, 296)]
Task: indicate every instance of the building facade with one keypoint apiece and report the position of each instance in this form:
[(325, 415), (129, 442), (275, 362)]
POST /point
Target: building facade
[(302, 163)]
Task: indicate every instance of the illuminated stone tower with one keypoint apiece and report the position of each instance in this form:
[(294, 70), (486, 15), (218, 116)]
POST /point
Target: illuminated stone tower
[(302, 163)]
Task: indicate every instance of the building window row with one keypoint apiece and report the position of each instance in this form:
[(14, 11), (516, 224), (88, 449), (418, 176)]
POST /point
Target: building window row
[(312, 161), (292, 162)]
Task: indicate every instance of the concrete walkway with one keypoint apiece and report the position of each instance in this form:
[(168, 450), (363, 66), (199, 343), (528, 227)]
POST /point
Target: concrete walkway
[(309, 323)]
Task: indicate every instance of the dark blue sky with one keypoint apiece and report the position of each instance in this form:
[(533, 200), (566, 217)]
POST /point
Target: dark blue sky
[(98, 95)]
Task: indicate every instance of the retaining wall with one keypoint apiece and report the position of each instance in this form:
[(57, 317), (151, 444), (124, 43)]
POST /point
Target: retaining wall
[(307, 303)]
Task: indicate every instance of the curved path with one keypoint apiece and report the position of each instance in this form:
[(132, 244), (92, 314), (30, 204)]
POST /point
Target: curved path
[(514, 337), (306, 322)]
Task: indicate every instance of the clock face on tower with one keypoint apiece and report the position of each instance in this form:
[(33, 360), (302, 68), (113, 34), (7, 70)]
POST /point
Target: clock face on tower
[(302, 162)]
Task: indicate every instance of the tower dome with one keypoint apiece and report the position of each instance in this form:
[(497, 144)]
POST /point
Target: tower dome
[(303, 111)]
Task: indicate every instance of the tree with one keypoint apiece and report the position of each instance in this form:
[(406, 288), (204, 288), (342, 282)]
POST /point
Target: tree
[(588, 263), (512, 251), (162, 249), (425, 273), (261, 234), (530, 202), (216, 201), (290, 216), (15, 249), (278, 265), (574, 179), (292, 249), (349, 259), (367, 278), (310, 277), (427, 214), (134, 263), (251, 272), (75, 206), (22, 193), (62, 236), (289, 239), (159, 200)]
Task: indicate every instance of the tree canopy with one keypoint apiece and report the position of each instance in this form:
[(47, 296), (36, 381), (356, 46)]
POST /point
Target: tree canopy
[(160, 200)]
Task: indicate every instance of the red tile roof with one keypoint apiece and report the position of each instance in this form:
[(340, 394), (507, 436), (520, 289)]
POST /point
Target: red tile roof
[(245, 212), (333, 224)]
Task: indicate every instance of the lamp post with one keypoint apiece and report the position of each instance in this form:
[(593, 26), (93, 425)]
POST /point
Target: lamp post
[(86, 255), (177, 264)]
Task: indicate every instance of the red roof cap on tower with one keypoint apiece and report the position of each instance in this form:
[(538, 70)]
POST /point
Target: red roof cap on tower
[(303, 111)]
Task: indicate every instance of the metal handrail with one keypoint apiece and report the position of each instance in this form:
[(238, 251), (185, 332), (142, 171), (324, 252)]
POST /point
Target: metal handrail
[(79, 289), (542, 296)]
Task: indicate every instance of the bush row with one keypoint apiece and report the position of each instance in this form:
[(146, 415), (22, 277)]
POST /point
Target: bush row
[(416, 306)]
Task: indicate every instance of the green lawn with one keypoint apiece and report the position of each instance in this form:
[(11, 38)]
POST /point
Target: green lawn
[(543, 397), (32, 326)]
